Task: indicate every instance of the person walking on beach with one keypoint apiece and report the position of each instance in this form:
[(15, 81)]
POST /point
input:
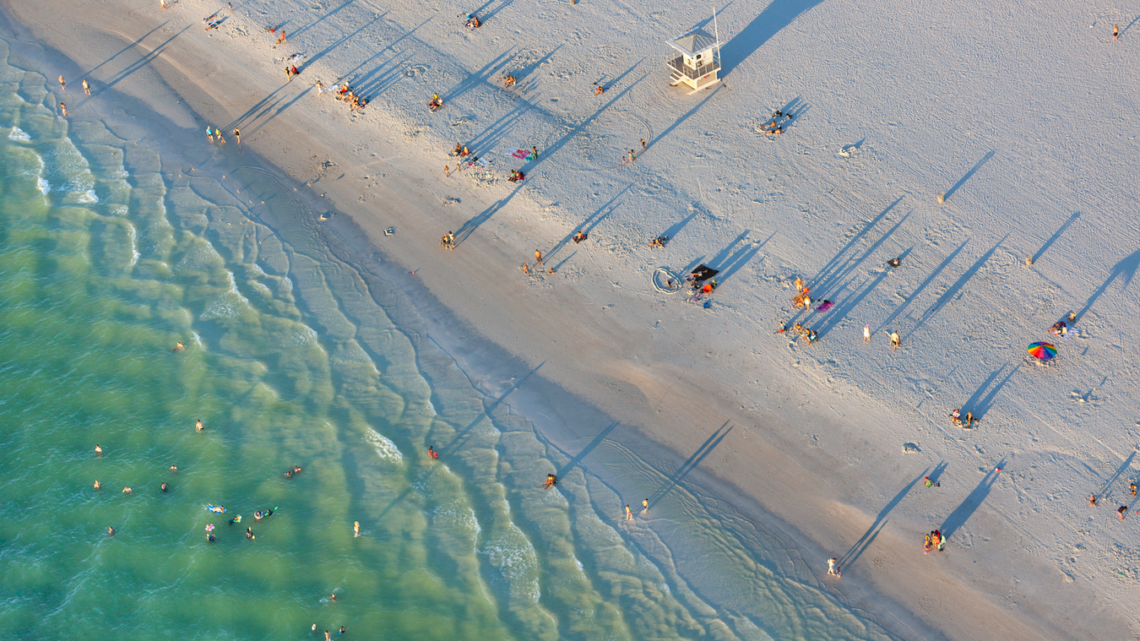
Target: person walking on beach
[(237, 136), (63, 109), (86, 87), (281, 37), (198, 425), (534, 150), (210, 134), (895, 340), (832, 567), (628, 513), (643, 144), (1092, 500), (538, 256), (62, 84), (644, 506), (1133, 488), (866, 333), (1115, 32)]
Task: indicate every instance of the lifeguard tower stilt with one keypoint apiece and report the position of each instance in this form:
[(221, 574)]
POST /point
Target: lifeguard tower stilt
[(695, 59)]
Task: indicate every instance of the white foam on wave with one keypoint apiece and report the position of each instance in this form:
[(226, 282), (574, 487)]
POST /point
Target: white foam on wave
[(134, 245), (511, 553), (229, 304), (385, 448), (19, 135), (70, 172), (302, 335)]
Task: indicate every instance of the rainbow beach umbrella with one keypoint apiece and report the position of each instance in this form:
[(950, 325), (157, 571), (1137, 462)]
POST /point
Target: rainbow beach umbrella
[(1043, 351)]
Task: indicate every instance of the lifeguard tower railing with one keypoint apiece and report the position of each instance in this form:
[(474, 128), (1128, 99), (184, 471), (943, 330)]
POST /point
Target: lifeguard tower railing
[(676, 62)]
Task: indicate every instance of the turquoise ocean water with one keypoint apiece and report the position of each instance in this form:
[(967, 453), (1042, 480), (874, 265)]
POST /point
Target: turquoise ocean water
[(112, 249)]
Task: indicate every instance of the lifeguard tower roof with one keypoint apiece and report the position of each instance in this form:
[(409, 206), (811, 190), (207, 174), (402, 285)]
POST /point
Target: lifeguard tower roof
[(694, 42)]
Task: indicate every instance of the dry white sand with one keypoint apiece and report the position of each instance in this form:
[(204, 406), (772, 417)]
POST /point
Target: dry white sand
[(1022, 114)]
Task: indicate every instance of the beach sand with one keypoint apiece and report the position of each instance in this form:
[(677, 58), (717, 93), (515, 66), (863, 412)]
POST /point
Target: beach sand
[(1020, 118)]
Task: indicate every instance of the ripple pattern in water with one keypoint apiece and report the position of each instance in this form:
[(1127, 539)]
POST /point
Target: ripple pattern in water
[(109, 254)]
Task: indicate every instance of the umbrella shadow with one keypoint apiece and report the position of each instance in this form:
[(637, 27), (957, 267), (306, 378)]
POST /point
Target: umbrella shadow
[(880, 522), (1125, 269), (966, 509)]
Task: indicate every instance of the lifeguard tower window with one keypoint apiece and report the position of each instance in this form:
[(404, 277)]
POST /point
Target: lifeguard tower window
[(695, 60)]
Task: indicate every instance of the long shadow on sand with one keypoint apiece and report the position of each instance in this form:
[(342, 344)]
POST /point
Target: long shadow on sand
[(142, 62), (296, 34), (926, 283), (462, 435), (592, 221), (954, 289), (688, 466), (668, 130), (125, 49), (1120, 470), (572, 463), (472, 224), (852, 555), (980, 402), (1125, 269), (958, 185), (1055, 236), (324, 52), (771, 20), (964, 511), (840, 265)]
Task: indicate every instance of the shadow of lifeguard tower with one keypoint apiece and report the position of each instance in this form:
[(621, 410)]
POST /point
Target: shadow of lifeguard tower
[(695, 59)]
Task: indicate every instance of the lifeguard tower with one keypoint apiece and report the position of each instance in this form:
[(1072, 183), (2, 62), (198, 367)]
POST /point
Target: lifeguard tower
[(695, 59)]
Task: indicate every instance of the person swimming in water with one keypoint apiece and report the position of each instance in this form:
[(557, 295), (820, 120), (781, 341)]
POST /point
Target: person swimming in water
[(174, 469), (164, 488), (98, 485), (211, 538), (257, 516), (249, 533), (236, 519), (356, 528), (98, 450), (551, 481), (198, 425), (110, 531), (178, 347)]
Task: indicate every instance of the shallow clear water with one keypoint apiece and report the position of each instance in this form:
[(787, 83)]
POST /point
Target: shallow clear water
[(113, 249)]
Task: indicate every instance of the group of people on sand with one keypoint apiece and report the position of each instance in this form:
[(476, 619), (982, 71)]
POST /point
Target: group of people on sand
[(957, 420), (777, 125), (344, 93), (1123, 509), (934, 541), (448, 240)]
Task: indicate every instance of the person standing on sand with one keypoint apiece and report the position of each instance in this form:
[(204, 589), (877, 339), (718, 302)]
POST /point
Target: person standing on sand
[(644, 506), (1092, 500), (534, 150), (1121, 511), (447, 171), (832, 568), (643, 144), (628, 513), (62, 84), (895, 340), (538, 256), (866, 333), (86, 87), (281, 37), (1115, 32), (1133, 488), (237, 135)]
